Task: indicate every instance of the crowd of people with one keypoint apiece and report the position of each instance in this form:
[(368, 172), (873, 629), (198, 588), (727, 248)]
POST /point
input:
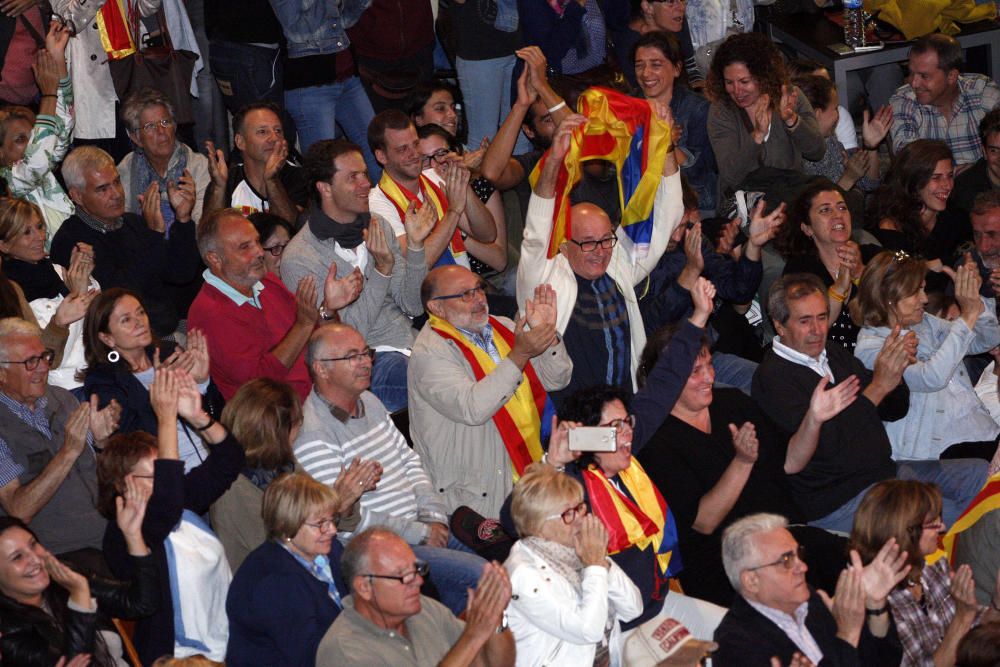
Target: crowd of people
[(405, 371)]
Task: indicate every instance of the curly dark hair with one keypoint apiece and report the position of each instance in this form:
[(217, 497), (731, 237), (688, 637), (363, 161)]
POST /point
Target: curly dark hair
[(760, 56), (899, 197), (791, 240)]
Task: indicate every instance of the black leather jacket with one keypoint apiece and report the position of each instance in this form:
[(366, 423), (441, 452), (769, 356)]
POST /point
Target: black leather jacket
[(132, 599)]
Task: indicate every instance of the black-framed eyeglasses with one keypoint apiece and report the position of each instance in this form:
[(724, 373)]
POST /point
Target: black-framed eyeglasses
[(786, 560), (356, 358), (439, 156), (165, 123), (620, 424), (466, 296), (323, 525), (31, 363), (606, 243), (569, 516), (276, 249), (420, 568)]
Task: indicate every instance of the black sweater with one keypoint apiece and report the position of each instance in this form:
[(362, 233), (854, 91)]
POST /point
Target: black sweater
[(853, 451)]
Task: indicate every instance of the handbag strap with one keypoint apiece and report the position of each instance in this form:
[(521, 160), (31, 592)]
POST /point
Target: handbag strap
[(39, 40)]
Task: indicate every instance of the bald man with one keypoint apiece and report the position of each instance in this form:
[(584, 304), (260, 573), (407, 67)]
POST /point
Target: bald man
[(594, 276), (477, 388)]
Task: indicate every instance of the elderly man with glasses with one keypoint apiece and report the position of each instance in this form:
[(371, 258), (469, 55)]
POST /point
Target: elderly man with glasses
[(347, 440), (386, 621), (775, 613), (48, 467), (478, 388), (593, 275)]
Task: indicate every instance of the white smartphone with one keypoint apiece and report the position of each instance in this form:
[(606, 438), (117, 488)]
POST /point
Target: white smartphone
[(592, 439)]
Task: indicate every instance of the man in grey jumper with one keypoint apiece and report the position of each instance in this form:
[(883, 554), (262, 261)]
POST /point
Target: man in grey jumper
[(338, 231)]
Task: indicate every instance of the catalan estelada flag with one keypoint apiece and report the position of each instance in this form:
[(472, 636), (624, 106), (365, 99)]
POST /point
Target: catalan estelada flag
[(644, 521), (520, 419), (987, 500), (625, 131)]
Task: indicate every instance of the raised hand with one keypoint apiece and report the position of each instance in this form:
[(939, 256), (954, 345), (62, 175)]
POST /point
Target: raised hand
[(130, 511), (378, 247), (591, 542), (967, 284), (963, 591), (893, 359), (559, 453), (76, 427), (418, 224), (826, 404), (15, 8), (856, 165), (563, 135), (880, 576), (73, 307), (727, 237), (745, 442), (798, 660), (218, 168), (761, 117), (847, 605), (762, 227), (188, 397), (55, 44), (338, 293), (786, 108), (472, 159), (526, 94), (694, 259), (486, 604), (104, 422), (163, 395), (456, 187), (529, 343), (72, 581), (703, 297), (198, 363), (850, 258), (181, 196), (541, 310), (874, 130), (276, 160), (536, 68), (151, 213), (306, 313), (81, 265), (354, 480), (46, 71)]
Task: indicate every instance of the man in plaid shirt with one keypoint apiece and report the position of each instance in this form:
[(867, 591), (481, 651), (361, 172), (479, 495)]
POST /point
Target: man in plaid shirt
[(941, 103)]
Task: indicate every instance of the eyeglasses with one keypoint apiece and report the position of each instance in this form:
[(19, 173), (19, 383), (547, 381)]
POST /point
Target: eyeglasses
[(355, 359), (786, 560), (620, 424), (439, 156), (590, 246), (467, 296), (31, 363), (569, 516), (420, 568), (276, 249), (165, 123), (934, 524), (323, 525)]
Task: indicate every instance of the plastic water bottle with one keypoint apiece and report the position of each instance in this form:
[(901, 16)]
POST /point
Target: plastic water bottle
[(854, 24)]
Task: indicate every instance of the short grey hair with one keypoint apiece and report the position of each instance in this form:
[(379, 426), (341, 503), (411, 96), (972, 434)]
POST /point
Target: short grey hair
[(141, 100), (15, 326), (791, 287), (986, 201), (739, 544), (80, 161), (356, 559), (207, 233)]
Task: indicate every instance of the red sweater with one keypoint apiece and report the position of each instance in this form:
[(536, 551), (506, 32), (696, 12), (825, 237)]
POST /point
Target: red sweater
[(240, 338)]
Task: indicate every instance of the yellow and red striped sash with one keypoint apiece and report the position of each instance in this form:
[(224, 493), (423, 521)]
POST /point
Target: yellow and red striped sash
[(987, 500), (401, 198), (642, 523), (113, 24), (519, 421)]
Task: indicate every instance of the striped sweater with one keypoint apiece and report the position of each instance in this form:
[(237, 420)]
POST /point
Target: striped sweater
[(404, 499)]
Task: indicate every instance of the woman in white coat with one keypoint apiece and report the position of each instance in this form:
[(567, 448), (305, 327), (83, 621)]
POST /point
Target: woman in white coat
[(568, 596)]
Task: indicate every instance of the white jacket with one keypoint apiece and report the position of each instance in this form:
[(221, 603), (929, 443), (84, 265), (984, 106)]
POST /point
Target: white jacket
[(535, 268), (555, 626)]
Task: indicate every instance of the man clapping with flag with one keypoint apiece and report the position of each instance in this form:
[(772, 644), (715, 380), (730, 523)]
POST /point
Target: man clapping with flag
[(592, 266)]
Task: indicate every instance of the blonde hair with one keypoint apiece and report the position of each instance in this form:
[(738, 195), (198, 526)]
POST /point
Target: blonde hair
[(261, 416), (887, 279), (290, 499), (541, 492), (15, 216)]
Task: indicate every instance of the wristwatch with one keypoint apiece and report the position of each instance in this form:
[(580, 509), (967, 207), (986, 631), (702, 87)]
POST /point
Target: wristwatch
[(504, 624), (326, 315)]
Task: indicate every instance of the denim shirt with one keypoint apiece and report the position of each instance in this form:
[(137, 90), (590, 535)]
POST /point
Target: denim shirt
[(944, 407), (690, 110), (317, 27)]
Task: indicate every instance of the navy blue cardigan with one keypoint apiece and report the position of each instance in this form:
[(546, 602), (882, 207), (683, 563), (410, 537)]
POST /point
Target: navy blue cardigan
[(278, 611)]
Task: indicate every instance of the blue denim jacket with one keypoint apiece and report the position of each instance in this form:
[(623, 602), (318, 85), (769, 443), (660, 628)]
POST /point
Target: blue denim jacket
[(691, 112), (317, 27)]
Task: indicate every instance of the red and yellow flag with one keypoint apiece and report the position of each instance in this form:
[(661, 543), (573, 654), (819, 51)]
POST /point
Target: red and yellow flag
[(113, 23), (987, 500), (401, 198), (623, 130), (519, 421)]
